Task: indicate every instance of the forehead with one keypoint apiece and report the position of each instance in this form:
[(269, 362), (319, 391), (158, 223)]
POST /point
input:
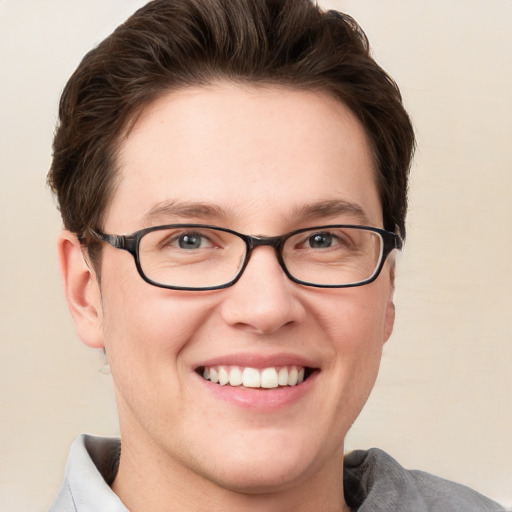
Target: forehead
[(250, 153)]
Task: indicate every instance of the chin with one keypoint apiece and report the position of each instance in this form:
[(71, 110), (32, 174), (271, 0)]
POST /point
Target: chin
[(269, 464), (264, 477)]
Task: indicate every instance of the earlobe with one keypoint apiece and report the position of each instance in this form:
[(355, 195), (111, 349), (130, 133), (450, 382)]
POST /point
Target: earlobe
[(389, 320), (82, 290)]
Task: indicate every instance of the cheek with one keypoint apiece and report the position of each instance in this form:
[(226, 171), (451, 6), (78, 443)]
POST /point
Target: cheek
[(147, 332), (356, 318), (352, 325), (356, 324), (143, 324), (151, 325)]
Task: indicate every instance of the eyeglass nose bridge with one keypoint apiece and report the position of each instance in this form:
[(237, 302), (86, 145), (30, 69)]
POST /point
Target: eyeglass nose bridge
[(258, 241), (253, 242)]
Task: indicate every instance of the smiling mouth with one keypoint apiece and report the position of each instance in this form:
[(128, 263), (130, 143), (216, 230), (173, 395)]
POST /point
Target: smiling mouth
[(253, 378)]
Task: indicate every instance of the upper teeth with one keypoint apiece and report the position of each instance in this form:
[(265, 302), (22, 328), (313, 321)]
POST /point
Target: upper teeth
[(271, 377)]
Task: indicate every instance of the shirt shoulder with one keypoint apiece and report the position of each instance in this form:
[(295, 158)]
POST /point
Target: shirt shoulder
[(374, 481)]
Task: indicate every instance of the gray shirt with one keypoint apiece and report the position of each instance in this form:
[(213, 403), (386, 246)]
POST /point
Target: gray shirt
[(373, 482)]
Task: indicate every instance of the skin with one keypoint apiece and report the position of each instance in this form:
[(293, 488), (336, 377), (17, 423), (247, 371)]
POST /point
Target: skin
[(258, 155)]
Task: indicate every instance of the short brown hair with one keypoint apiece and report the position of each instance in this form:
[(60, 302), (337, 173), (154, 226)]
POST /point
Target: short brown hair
[(171, 44)]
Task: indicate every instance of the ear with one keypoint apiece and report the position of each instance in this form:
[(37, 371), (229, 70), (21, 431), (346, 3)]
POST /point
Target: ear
[(389, 320), (389, 315), (82, 289)]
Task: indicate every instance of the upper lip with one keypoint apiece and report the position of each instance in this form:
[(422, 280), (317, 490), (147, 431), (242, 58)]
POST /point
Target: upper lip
[(259, 361)]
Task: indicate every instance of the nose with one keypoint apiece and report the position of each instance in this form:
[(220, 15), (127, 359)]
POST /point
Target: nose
[(264, 299)]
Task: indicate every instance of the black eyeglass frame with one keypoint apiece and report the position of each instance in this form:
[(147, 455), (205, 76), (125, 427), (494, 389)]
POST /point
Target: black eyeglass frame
[(131, 244)]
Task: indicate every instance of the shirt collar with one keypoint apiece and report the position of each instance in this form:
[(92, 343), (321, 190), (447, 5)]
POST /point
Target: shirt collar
[(91, 468)]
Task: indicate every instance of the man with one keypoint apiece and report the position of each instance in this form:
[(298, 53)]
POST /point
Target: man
[(232, 177)]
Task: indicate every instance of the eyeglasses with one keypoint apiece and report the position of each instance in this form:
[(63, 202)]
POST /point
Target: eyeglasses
[(202, 257)]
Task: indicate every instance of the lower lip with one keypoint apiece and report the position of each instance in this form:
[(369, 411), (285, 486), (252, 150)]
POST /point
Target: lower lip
[(261, 399)]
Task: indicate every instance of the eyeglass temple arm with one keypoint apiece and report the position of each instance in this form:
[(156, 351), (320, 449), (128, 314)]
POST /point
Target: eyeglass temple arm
[(396, 242), (127, 243)]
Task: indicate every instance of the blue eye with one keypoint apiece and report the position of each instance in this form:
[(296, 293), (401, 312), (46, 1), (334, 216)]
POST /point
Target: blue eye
[(191, 241), (322, 240)]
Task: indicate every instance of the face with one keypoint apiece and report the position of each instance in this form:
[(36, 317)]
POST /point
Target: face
[(261, 161)]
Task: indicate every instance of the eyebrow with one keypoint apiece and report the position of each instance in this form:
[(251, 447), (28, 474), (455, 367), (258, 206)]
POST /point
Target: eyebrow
[(161, 212), (168, 210), (331, 208)]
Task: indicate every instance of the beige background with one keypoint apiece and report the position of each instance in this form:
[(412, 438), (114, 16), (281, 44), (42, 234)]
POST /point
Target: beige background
[(442, 402)]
